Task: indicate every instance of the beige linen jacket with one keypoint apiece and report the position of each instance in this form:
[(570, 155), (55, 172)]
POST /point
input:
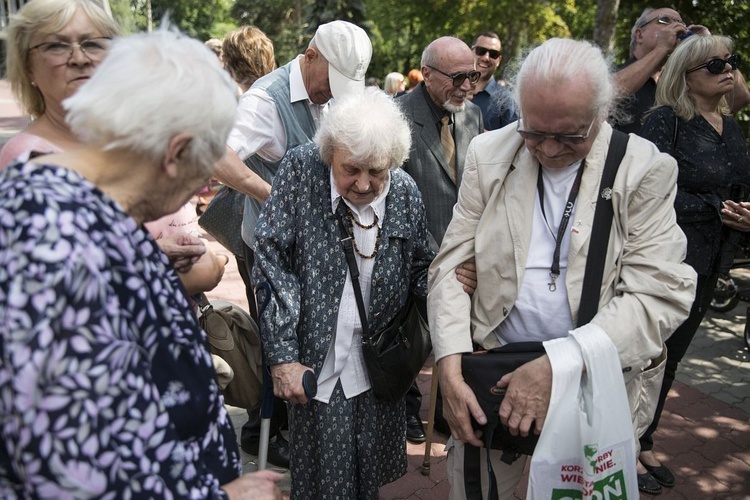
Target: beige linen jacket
[(647, 290)]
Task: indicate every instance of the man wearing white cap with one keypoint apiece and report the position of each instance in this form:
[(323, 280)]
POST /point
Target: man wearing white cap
[(280, 111)]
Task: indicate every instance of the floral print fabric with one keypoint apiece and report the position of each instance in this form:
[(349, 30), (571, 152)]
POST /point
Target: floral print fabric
[(106, 384)]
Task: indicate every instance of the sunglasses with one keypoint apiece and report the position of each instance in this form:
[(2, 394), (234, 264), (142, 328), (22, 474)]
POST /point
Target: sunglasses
[(716, 66), (666, 20), (569, 139), (460, 78), (480, 51)]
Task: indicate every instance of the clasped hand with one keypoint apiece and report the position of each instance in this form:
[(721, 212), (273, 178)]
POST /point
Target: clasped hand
[(528, 391), (287, 382)]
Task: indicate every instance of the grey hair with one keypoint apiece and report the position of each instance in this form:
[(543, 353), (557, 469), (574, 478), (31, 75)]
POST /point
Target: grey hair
[(151, 87), (368, 127), (562, 60), (639, 23), (672, 90)]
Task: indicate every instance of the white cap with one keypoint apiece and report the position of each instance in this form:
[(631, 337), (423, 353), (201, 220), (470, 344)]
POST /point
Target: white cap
[(348, 50)]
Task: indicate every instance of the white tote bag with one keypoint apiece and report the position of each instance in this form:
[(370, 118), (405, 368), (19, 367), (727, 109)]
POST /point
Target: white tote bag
[(586, 449)]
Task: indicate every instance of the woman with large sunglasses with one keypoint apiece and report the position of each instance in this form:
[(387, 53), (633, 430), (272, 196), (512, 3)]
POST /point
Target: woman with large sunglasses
[(691, 122)]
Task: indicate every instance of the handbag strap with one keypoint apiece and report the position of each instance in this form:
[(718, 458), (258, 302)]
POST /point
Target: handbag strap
[(351, 261), (592, 278)]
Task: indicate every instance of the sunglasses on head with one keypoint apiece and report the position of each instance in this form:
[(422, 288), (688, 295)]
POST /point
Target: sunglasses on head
[(666, 20), (460, 78), (480, 51), (716, 66)]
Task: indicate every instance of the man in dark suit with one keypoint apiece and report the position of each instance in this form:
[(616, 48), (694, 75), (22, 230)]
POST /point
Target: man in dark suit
[(443, 122)]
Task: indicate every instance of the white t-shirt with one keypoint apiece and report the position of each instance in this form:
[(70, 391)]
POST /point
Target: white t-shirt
[(541, 314)]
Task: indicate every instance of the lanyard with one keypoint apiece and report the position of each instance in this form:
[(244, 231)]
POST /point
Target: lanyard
[(554, 271)]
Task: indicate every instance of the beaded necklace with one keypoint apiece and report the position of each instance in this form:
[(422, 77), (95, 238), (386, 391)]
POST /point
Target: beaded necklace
[(353, 220)]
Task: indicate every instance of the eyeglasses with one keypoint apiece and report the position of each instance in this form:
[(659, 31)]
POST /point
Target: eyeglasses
[(61, 52), (569, 139), (666, 20), (716, 66), (460, 78), (480, 51)]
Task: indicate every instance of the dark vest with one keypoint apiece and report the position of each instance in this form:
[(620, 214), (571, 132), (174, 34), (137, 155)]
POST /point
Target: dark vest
[(299, 127)]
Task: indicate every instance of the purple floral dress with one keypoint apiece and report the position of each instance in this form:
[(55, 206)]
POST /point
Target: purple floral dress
[(106, 384)]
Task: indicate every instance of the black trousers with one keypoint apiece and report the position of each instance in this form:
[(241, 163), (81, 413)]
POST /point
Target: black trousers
[(677, 346)]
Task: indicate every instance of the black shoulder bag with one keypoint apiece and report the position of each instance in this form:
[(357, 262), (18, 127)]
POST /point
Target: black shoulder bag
[(394, 355), (482, 370)]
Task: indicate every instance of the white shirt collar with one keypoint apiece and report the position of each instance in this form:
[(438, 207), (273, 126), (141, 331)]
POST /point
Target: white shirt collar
[(377, 205), (297, 90)]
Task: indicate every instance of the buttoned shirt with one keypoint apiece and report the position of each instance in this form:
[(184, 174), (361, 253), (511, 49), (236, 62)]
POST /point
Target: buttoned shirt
[(258, 128), (344, 360)]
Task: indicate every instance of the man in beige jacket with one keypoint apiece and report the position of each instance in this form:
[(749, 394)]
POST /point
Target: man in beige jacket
[(525, 212)]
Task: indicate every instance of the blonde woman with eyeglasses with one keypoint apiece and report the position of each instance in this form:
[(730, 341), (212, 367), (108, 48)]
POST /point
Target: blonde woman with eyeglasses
[(53, 48)]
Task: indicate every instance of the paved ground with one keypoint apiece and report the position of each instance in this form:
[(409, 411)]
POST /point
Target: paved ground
[(705, 431)]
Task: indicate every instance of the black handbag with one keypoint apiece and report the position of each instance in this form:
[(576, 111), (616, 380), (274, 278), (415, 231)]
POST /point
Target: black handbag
[(222, 219), (394, 355), (482, 370)]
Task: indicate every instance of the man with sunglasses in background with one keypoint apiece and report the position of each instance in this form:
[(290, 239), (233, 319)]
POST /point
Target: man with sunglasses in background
[(443, 122), (654, 36), (490, 96)]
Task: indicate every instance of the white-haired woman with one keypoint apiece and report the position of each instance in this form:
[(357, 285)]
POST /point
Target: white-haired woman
[(692, 122), (344, 442), (106, 384)]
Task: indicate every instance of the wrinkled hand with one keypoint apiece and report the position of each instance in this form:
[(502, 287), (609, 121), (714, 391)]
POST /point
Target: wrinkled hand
[(261, 485), (287, 382), (736, 215), (527, 396), (183, 250), (459, 402), (466, 274)]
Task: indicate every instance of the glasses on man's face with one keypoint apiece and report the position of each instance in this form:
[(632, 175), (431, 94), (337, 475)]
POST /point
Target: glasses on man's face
[(536, 137), (666, 20), (717, 66), (460, 78), (61, 52), (480, 51)]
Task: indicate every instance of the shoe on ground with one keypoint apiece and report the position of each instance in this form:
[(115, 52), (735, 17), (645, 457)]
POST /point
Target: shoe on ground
[(278, 451), (662, 474), (648, 484), (414, 430)]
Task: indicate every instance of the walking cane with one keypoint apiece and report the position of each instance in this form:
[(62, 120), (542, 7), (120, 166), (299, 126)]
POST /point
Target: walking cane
[(430, 421), (309, 383)]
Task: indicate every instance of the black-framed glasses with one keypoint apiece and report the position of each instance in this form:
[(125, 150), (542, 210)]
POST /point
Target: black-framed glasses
[(480, 51), (666, 20), (460, 78), (716, 66), (536, 137), (61, 52)]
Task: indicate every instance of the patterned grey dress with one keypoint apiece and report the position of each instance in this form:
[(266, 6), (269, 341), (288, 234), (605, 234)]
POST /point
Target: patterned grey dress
[(347, 448)]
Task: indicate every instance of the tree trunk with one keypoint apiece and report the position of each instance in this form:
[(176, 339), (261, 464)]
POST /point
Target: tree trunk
[(149, 22), (606, 20)]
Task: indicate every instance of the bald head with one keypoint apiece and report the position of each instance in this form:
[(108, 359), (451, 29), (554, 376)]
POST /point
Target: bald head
[(443, 58)]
